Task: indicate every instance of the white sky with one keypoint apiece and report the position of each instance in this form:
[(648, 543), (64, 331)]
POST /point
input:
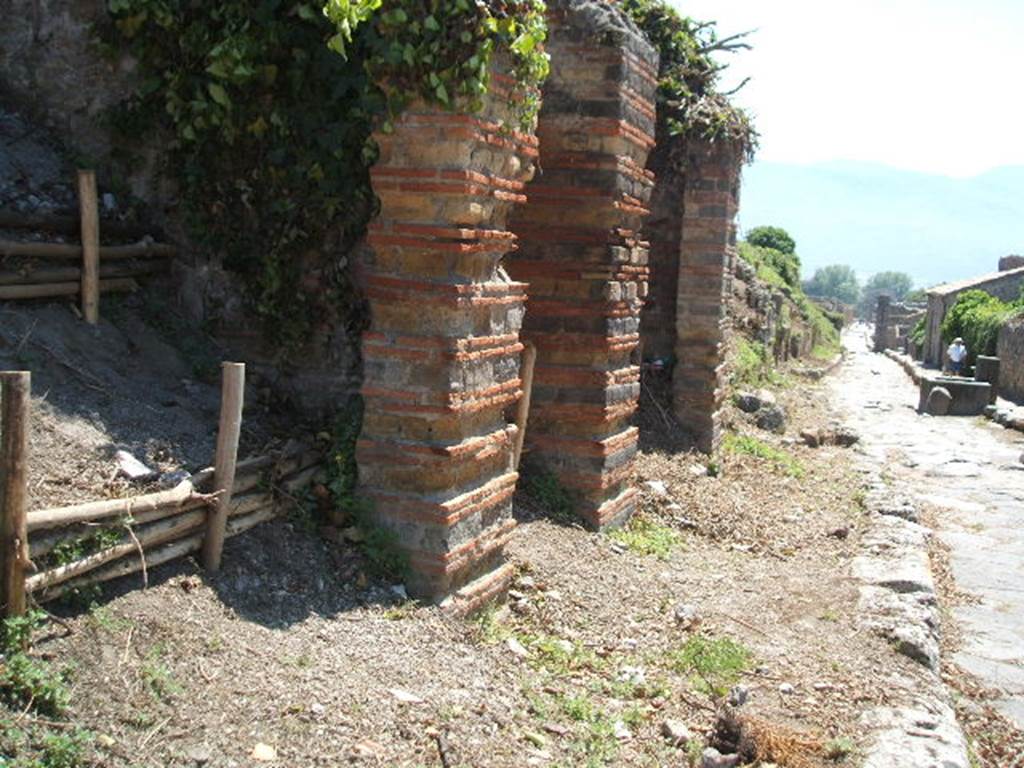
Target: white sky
[(926, 85)]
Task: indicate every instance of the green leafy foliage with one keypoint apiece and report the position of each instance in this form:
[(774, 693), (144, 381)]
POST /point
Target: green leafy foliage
[(752, 365), (751, 446), (34, 746), (28, 682), (16, 631), (559, 502), (894, 284), (442, 51), (713, 663), (31, 684), (772, 237), (917, 332), (269, 130), (644, 535), (689, 102), (836, 281), (267, 136), (976, 317), (782, 270)]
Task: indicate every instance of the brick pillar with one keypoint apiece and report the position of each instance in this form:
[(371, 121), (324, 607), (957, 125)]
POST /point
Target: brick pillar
[(581, 253), (442, 353), (706, 257)]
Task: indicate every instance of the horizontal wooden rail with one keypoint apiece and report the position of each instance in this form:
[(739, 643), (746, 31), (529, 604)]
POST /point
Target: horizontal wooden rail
[(32, 275), (68, 224), (74, 251), (49, 290)]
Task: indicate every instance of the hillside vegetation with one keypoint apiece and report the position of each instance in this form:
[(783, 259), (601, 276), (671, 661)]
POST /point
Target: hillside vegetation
[(780, 268)]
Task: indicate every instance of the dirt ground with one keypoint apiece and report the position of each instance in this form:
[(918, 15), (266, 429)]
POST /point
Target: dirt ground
[(296, 655), (140, 381)]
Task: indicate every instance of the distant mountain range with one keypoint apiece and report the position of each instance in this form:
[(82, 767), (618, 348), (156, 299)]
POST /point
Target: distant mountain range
[(877, 218)]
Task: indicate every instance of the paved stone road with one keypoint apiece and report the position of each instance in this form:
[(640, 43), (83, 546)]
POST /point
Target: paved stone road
[(971, 469)]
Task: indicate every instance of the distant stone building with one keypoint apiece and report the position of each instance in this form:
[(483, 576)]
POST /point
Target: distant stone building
[(1004, 285), (894, 323)]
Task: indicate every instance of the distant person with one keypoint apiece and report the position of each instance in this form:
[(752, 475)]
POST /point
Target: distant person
[(957, 354)]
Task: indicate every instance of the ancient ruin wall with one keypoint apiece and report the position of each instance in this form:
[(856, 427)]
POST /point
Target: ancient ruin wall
[(441, 358), (1010, 351), (1004, 285), (581, 252), (706, 257), (52, 72)]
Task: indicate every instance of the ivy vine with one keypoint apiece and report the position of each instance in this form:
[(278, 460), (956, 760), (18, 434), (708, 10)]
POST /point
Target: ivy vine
[(689, 101), (442, 50), (267, 134), (268, 130)]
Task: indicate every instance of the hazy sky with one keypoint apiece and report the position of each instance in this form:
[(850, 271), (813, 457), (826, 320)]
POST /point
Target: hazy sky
[(926, 85)]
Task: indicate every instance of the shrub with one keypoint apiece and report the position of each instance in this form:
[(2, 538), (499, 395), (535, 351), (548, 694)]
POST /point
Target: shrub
[(976, 317), (772, 237)]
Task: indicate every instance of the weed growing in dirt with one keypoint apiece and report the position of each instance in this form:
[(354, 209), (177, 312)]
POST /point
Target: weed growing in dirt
[(751, 446), (103, 618), (27, 683), (16, 631), (32, 747), (489, 628), (694, 751), (752, 366), (839, 749), (157, 676), (714, 664), (557, 500), (645, 536)]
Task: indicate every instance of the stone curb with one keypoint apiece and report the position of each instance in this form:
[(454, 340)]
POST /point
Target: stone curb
[(898, 603), (822, 371)]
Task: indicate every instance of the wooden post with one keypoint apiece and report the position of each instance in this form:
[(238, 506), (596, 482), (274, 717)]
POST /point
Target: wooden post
[(15, 388), (89, 211), (523, 407), (231, 401)]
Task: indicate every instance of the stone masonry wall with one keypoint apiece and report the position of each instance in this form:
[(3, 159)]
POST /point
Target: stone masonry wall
[(441, 358), (1010, 351), (707, 254), (581, 252), (664, 231)]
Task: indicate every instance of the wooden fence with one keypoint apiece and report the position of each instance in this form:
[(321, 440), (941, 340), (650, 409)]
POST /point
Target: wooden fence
[(140, 531), (100, 268)]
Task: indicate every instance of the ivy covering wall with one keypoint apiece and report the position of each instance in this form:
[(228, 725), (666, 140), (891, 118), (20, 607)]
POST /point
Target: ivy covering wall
[(266, 110)]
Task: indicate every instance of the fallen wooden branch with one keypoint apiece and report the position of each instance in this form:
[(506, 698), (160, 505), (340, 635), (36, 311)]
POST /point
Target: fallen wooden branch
[(50, 290), (140, 249), (71, 225)]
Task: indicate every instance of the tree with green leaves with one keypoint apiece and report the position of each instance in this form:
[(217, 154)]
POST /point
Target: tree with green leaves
[(836, 281), (772, 237), (893, 284)]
